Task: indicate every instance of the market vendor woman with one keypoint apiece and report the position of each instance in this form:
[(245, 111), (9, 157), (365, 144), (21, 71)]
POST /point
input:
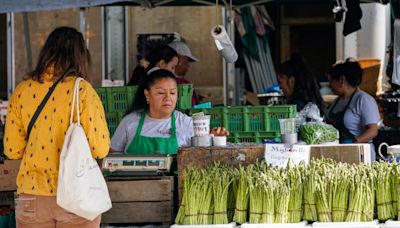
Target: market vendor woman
[(153, 126), (354, 113)]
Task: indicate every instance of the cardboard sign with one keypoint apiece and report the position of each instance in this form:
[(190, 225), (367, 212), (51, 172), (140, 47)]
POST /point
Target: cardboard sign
[(280, 154)]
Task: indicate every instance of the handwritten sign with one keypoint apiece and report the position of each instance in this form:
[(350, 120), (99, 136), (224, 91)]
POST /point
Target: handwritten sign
[(280, 154)]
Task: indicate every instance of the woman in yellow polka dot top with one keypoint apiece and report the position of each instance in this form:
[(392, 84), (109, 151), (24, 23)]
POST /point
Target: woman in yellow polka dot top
[(64, 49)]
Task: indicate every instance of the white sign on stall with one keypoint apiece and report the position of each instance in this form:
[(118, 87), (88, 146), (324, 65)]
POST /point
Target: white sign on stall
[(280, 154)]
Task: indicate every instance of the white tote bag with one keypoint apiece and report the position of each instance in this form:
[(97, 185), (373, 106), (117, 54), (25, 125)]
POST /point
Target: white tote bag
[(82, 189)]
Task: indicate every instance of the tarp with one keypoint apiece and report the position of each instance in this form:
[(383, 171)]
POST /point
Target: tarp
[(7, 6), (38, 5)]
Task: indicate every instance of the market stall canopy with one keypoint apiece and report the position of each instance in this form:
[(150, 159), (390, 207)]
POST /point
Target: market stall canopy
[(7, 6)]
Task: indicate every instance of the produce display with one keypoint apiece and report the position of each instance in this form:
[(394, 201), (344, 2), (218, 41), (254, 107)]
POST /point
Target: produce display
[(323, 191), (318, 132)]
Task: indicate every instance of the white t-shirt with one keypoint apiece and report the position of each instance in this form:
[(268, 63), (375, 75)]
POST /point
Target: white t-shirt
[(126, 130)]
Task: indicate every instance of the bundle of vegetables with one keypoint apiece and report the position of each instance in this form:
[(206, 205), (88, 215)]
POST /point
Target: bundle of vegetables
[(394, 182), (340, 188), (282, 196), (318, 132), (397, 177), (257, 195), (268, 207), (383, 191), (242, 197), (310, 210), (362, 194), (232, 194), (369, 193), (296, 193), (222, 180), (322, 199), (205, 197), (191, 186)]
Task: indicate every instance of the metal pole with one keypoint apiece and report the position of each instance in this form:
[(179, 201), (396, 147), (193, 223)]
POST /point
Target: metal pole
[(82, 22), (27, 37), (10, 54)]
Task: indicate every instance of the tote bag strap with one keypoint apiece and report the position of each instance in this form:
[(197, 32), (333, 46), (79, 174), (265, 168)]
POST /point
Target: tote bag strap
[(75, 99)]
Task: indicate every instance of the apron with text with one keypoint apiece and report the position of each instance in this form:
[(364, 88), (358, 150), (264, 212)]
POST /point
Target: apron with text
[(144, 145)]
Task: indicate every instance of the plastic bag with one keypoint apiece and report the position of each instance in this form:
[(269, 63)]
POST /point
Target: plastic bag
[(318, 132), (310, 112)]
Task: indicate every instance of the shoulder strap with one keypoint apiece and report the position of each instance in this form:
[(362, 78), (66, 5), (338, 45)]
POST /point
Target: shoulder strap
[(44, 101), (75, 102)]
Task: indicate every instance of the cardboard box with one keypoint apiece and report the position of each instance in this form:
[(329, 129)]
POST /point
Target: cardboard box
[(8, 175), (349, 153)]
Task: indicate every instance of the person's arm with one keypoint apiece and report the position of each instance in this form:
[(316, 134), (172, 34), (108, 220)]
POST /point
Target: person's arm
[(370, 133), (14, 135), (369, 118), (93, 121)]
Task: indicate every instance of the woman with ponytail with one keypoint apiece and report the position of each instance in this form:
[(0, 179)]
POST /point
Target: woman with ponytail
[(298, 85)]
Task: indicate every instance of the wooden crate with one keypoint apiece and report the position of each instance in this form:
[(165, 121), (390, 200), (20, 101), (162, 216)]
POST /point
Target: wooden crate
[(141, 200), (245, 154)]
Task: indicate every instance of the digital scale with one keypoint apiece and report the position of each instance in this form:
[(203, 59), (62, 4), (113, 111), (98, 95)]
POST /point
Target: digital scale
[(134, 165)]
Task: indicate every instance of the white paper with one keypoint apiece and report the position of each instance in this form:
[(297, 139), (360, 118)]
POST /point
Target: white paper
[(280, 154)]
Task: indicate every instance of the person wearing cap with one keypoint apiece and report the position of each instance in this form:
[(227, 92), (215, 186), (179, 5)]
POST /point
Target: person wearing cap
[(184, 58)]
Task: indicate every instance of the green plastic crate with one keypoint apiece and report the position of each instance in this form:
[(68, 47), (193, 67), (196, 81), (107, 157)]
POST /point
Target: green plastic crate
[(249, 118), (119, 99), (185, 92), (252, 137), (102, 92), (113, 119)]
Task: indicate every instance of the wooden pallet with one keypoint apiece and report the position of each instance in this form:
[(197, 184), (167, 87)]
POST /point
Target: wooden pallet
[(141, 200)]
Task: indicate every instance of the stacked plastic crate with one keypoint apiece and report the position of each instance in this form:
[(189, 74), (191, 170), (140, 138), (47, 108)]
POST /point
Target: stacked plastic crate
[(117, 100), (249, 123)]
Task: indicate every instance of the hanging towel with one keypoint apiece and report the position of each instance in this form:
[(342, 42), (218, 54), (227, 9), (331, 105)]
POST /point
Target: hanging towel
[(396, 53)]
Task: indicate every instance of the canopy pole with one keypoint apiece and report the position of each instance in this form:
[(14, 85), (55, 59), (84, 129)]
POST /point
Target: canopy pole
[(27, 37)]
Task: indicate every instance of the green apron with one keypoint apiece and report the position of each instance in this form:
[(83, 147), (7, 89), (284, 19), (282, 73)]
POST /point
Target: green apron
[(143, 145), (345, 136)]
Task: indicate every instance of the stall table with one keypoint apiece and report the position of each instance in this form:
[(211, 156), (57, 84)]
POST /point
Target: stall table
[(244, 154)]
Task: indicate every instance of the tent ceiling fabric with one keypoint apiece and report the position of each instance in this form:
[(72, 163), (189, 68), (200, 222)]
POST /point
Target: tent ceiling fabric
[(7, 6)]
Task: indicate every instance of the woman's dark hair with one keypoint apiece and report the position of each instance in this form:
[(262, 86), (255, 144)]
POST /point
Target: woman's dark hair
[(351, 70), (139, 103), (306, 86), (160, 52), (65, 48)]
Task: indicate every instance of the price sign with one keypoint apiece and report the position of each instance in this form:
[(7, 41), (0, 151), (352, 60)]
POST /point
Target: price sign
[(280, 154)]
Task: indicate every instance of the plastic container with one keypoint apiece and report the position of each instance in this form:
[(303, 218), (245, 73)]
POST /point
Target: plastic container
[(185, 92), (102, 92), (252, 137), (274, 225), (119, 99), (230, 225), (249, 118), (372, 224), (113, 119)]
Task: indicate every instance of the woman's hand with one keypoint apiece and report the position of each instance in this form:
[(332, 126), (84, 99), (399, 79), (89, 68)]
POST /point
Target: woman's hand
[(219, 131)]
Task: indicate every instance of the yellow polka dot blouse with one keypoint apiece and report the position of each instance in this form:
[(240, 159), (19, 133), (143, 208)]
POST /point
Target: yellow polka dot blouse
[(40, 153)]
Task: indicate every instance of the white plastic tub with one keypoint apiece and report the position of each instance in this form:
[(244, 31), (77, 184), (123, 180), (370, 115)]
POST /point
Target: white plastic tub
[(230, 225), (274, 225), (372, 224)]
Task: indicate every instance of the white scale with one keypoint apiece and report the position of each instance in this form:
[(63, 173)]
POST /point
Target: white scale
[(155, 165)]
